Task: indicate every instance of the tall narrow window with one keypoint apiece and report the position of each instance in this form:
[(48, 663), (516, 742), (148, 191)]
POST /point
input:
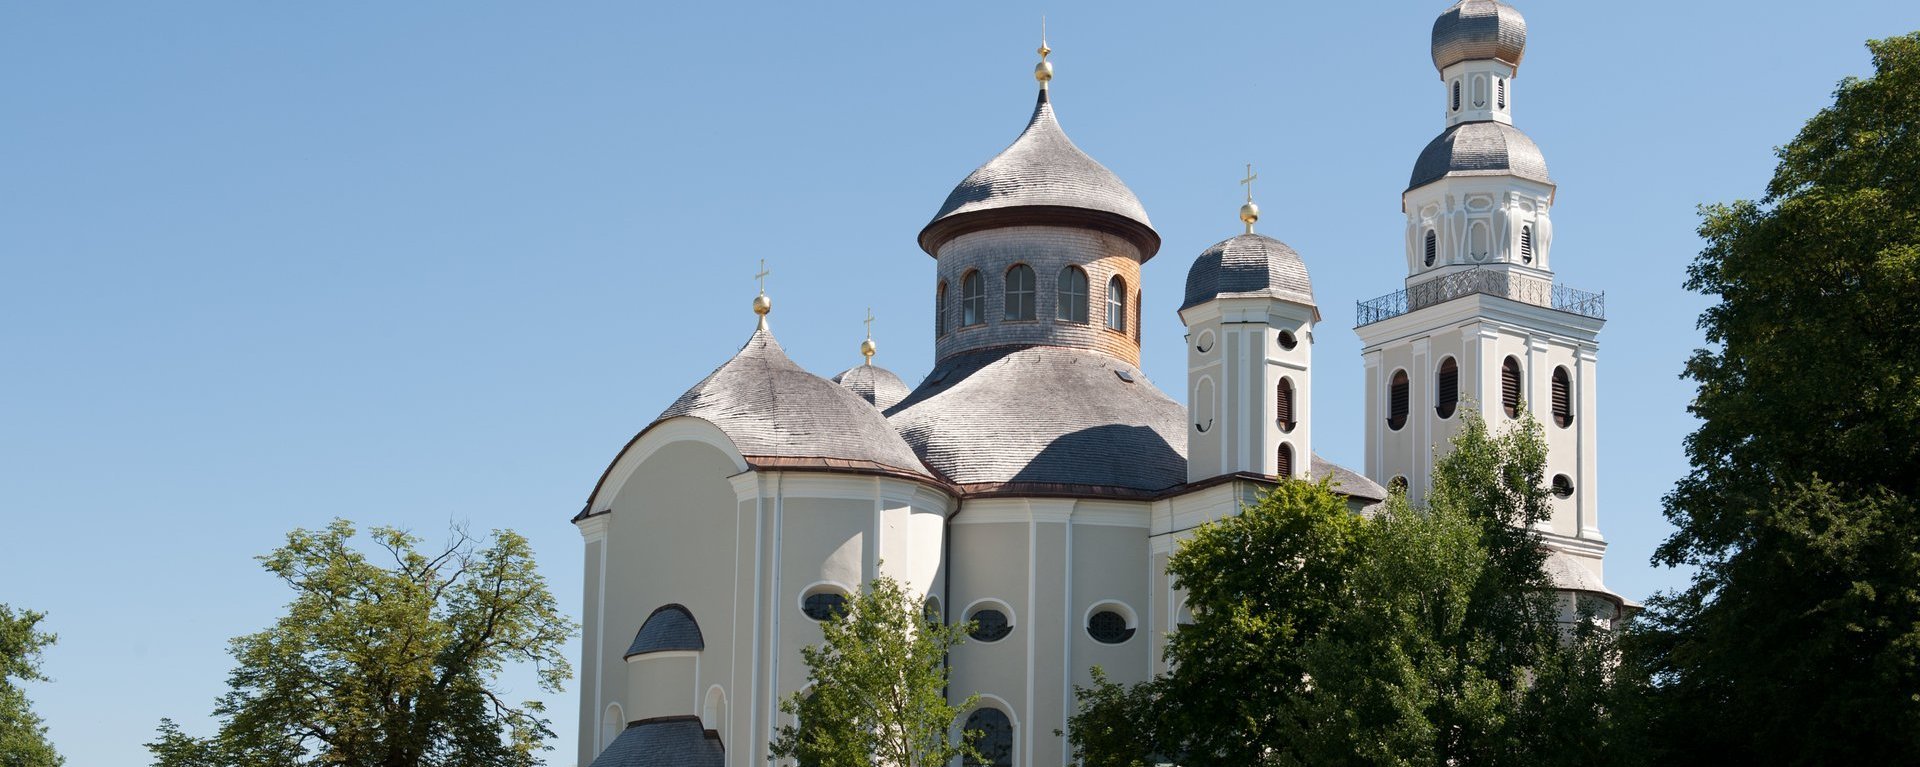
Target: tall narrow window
[(1136, 315), (1526, 244), (1510, 387), (1117, 304), (1284, 466), (1071, 295), (1456, 95), (1397, 401), (1562, 398), (1283, 404), (1478, 241), (1020, 292), (1433, 247), (996, 739), (940, 310), (1503, 92), (973, 299), (1447, 385)]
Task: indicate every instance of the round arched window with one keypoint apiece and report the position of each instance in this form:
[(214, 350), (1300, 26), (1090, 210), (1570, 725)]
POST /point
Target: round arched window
[(932, 611), (824, 605), (989, 625), (1433, 247), (995, 743), (1397, 484), (1397, 401), (1109, 627)]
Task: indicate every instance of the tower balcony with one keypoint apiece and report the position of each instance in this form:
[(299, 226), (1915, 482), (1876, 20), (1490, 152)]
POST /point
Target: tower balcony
[(1515, 287)]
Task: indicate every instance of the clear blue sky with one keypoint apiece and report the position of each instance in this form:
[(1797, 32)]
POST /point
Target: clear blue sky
[(407, 263)]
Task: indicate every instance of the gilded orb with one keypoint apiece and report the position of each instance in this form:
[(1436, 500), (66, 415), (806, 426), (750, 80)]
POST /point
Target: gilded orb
[(1249, 213), (868, 348), (1043, 71), (762, 304)]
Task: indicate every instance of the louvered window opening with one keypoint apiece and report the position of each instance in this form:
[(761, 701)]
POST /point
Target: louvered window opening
[(1562, 398), (996, 739), (1117, 305), (1503, 93), (989, 625), (1433, 247), (1108, 627), (1020, 282), (1284, 465), (1397, 401), (1510, 387), (1526, 244), (1283, 404), (1071, 295), (973, 299), (1447, 385), (1456, 95)]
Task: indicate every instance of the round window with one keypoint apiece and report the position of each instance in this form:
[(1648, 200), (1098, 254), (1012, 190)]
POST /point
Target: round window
[(989, 625), (1287, 341), (1397, 484), (1563, 486), (1108, 627), (825, 605)]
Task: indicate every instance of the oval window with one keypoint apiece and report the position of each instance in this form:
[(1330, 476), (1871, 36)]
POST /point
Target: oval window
[(1109, 627), (824, 605), (989, 625)]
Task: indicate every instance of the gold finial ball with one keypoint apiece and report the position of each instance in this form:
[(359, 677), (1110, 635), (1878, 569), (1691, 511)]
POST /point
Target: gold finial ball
[(762, 304), (1249, 213), (1043, 71), (868, 348)]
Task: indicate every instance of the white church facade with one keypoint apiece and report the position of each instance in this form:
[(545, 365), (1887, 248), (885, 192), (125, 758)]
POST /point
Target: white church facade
[(1035, 481)]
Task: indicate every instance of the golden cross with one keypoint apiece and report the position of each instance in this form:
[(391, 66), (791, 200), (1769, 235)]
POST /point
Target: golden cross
[(1248, 181), (762, 276), (869, 323)]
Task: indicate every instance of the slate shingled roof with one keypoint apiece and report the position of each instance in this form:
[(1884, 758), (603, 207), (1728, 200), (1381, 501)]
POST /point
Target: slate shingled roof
[(1480, 149), (1248, 265), (771, 407), (874, 384), (1042, 169), (1046, 416), (1346, 480), (1479, 29), (669, 628), (678, 741)]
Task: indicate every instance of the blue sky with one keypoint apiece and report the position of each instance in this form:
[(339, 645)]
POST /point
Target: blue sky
[(268, 264)]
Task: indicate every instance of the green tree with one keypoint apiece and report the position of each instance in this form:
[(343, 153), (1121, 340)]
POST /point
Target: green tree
[(388, 665), (1408, 637), (1798, 638), (23, 739), (879, 694)]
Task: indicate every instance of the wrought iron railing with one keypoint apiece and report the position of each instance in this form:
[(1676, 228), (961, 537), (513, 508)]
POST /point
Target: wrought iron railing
[(1522, 288)]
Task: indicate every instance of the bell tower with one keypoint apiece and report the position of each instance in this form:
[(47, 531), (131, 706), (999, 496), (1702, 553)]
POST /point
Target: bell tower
[(1481, 323)]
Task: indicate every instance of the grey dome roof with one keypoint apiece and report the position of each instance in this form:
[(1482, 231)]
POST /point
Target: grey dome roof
[(668, 741), (1046, 419), (1479, 29), (1248, 265), (1480, 149), (669, 628), (772, 408), (874, 384), (1042, 178)]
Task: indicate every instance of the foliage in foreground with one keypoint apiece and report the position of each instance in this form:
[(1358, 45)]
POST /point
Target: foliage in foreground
[(389, 664), (1413, 637), (879, 688), (23, 738), (1798, 639)]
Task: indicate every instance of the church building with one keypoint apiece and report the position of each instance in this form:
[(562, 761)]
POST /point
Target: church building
[(1035, 481)]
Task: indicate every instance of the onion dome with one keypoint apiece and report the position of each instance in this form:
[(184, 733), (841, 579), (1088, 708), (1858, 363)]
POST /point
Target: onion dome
[(1042, 178), (670, 628), (1250, 265), (1479, 29), (1480, 149), (874, 384), (1046, 420), (778, 413)]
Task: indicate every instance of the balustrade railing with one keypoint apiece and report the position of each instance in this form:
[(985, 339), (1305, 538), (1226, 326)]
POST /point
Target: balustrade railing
[(1507, 285)]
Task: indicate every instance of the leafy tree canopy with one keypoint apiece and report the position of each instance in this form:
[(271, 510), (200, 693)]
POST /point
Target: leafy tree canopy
[(1798, 639), (392, 663), (23, 739), (879, 694), (1409, 637)]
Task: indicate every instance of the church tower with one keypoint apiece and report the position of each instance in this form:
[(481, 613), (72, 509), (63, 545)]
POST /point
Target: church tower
[(1250, 316), (1480, 323)]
